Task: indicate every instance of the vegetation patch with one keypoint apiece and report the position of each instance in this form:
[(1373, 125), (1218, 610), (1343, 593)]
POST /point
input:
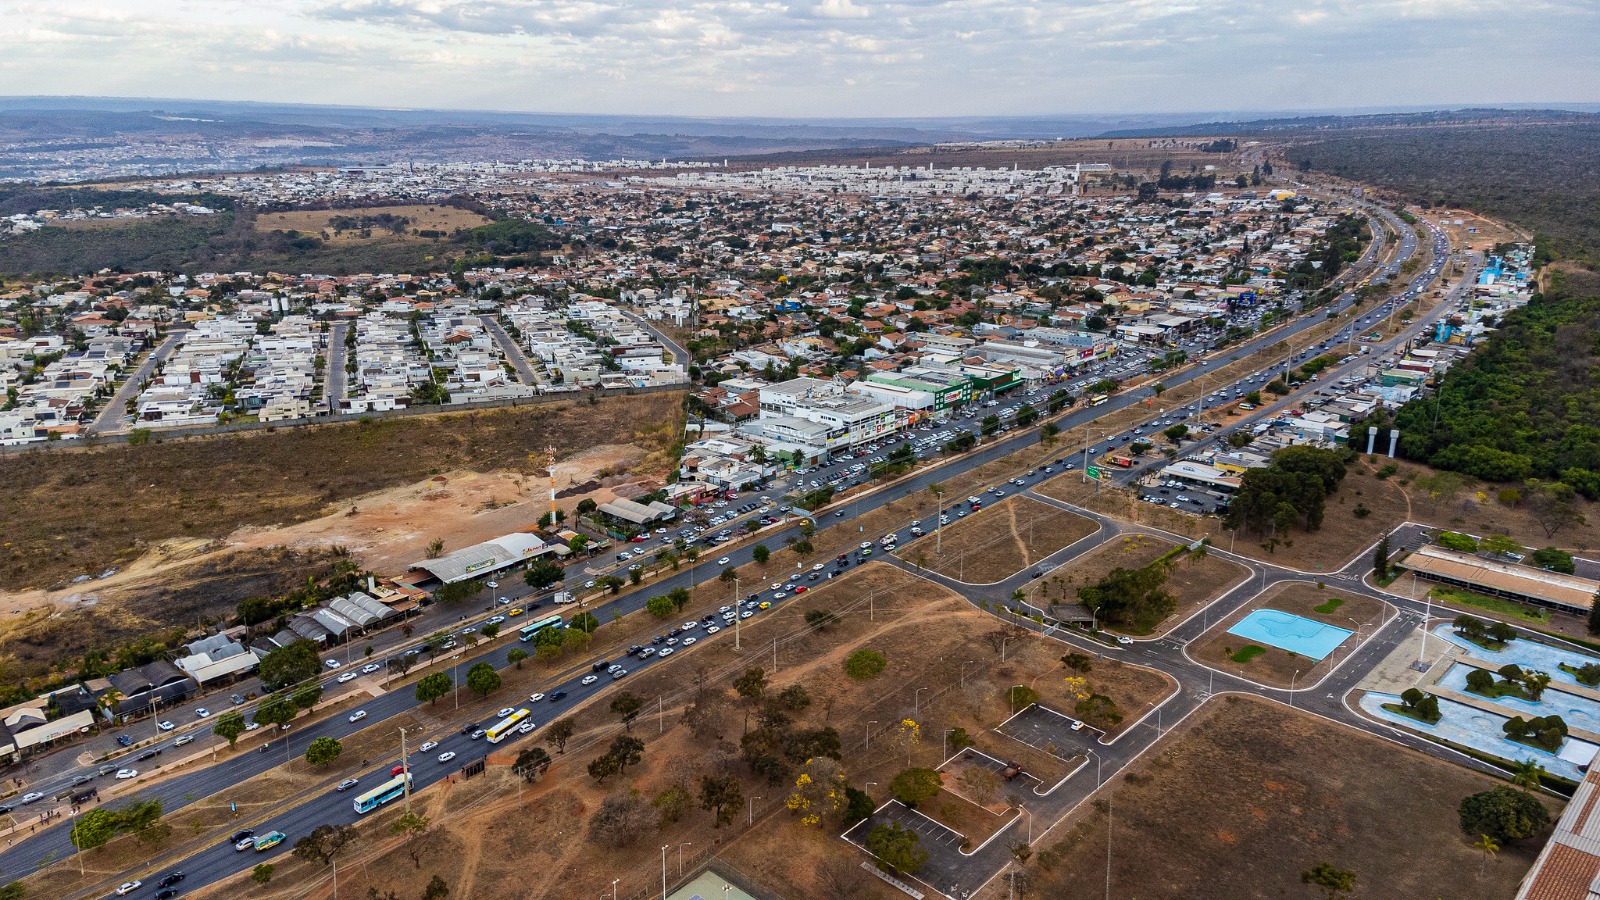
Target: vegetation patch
[(1246, 653)]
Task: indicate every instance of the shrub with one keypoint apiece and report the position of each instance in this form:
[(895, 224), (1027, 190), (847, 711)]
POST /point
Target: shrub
[(865, 664)]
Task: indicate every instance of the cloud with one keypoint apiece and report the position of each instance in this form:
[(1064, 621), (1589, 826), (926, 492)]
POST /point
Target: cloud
[(810, 57)]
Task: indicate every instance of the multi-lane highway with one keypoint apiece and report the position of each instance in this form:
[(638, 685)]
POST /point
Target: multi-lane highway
[(215, 780)]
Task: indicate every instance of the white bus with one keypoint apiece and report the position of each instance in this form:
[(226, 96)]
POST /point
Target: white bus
[(383, 793), (498, 731)]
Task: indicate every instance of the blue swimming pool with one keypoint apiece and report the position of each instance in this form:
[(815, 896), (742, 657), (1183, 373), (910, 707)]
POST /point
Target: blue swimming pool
[(1287, 631)]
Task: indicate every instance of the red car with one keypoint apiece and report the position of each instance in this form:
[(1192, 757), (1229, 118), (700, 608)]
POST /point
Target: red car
[(396, 771), (800, 589)]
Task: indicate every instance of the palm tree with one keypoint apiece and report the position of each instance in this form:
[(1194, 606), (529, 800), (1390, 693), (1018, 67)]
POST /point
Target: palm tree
[(109, 701), (1528, 775), (1490, 848)]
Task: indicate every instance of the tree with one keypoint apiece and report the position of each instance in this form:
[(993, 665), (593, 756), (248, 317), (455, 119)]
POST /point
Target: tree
[(721, 795), (896, 849), (483, 679), (1048, 432), (262, 873), (1503, 814), (1534, 683), (433, 686), (516, 655), (627, 706), (275, 711), (1528, 775), (627, 750), (659, 606), (561, 731), (1098, 710), (584, 622), (1380, 559), (672, 804), (1332, 882), (819, 619), (604, 766), (913, 786), (531, 764), (1177, 433), (95, 828), (542, 573), (1553, 559), (289, 665), (1489, 846), (620, 820), (229, 726), (1594, 614), (760, 554), (864, 665), (325, 842), (491, 631), (1501, 632), (979, 783), (679, 597), (1020, 696), (1479, 681), (436, 889), (323, 750)]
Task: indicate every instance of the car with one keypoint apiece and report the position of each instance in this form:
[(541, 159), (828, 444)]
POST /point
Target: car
[(504, 712), (690, 624), (332, 663), (476, 734), (866, 545), (358, 715), (527, 727), (347, 784), (557, 696), (427, 745), (150, 754), (203, 713), (447, 756), (767, 605), (1077, 725), (244, 844), (31, 797), (170, 879), (82, 779), (252, 726), (125, 774), (128, 887), (590, 679), (236, 700), (535, 697), (348, 676), (724, 561), (166, 894), (778, 596), (369, 668), (166, 726), (496, 620), (1124, 640), (744, 615), (800, 589), (666, 651), (241, 834), (186, 739), (492, 585), (713, 629), (686, 642), (619, 672)]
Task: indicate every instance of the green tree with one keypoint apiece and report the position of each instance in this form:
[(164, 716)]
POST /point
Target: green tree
[(541, 574), (679, 597), (659, 606), (323, 750), (531, 764), (436, 889), (673, 804), (1528, 775), (275, 711), (896, 849), (229, 726), (604, 766), (760, 554), (483, 679), (433, 686), (1380, 559), (1504, 814), (491, 631), (1048, 432), (94, 828), (627, 750), (627, 706), (1177, 433), (561, 731), (289, 665), (516, 655), (262, 873), (721, 795), (865, 664), (1332, 882), (914, 786)]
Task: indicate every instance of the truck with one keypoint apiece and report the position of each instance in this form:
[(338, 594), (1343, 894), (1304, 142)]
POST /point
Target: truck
[(562, 598), (268, 841)]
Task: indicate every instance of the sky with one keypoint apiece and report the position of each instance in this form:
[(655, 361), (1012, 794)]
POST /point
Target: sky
[(805, 58)]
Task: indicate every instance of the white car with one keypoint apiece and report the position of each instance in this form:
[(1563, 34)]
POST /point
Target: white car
[(817, 568), (332, 663), (504, 712), (252, 726), (527, 727), (125, 774), (690, 624), (128, 887), (166, 726), (203, 713), (497, 620), (713, 629), (745, 615), (427, 745), (688, 641), (590, 679), (447, 756), (492, 585), (186, 739), (535, 697), (779, 595), (369, 668), (665, 651), (723, 561), (358, 715), (348, 676)]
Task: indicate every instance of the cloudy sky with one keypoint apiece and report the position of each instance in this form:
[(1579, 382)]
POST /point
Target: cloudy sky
[(810, 57)]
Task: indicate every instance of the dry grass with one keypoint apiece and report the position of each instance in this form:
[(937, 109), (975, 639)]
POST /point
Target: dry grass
[(1192, 582), (1247, 795), (999, 540), (1281, 668), (446, 219)]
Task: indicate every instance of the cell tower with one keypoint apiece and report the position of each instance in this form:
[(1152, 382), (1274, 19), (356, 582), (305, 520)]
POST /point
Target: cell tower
[(550, 458)]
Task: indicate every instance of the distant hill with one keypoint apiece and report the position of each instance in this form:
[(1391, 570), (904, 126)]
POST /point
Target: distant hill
[(1281, 127)]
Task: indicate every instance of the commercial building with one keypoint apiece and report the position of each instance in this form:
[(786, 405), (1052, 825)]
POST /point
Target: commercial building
[(485, 559), (841, 417), (1525, 584)]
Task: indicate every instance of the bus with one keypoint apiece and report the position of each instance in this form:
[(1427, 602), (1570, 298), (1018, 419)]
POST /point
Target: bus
[(383, 793), (1098, 399), (498, 731), (533, 628), (268, 841)]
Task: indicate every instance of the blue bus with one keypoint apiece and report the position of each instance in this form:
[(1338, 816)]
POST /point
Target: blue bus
[(533, 628), (383, 793)]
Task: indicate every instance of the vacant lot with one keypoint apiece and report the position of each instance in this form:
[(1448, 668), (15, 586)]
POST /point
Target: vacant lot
[(999, 540), (483, 841), (1270, 665), (1193, 582), (355, 226), (77, 511), (1248, 795)]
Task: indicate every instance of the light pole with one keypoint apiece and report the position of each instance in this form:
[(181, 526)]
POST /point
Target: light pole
[(1003, 642), (1096, 766), (614, 888), (964, 673), (750, 810), (1291, 687), (916, 701), (1030, 822), (680, 856), (736, 611), (407, 782), (869, 734)]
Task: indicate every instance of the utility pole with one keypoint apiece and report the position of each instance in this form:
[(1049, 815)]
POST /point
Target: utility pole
[(406, 768), (736, 612)]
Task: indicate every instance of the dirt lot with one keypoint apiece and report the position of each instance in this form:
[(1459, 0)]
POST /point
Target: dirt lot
[(483, 842), (1192, 582), (319, 221), (998, 541), (1278, 667), (1247, 795)]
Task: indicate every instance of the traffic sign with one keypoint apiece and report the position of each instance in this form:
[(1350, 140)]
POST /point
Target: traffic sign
[(1094, 472)]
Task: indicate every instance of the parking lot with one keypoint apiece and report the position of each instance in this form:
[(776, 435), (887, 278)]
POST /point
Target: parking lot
[(945, 860), (1049, 731)]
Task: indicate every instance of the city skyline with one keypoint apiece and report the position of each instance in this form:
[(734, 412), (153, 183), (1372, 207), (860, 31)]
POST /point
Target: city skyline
[(849, 58)]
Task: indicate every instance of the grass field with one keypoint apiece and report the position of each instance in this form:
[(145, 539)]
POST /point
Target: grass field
[(999, 540), (1280, 668), (1247, 795), (446, 219), (1504, 609), (1192, 582)]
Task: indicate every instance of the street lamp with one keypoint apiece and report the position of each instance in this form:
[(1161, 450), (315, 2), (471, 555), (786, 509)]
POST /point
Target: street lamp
[(916, 701), (664, 871), (964, 672), (680, 856), (1291, 687), (614, 888), (869, 734), (1030, 822), (1096, 766)]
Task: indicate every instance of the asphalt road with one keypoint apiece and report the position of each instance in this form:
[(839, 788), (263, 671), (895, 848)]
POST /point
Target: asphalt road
[(116, 408), (333, 389), (513, 353), (218, 862)]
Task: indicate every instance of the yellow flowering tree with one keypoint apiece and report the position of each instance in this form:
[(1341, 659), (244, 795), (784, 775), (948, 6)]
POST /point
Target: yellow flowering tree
[(906, 738), (819, 791)]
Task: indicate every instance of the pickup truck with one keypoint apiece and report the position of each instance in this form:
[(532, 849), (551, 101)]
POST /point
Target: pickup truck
[(268, 841)]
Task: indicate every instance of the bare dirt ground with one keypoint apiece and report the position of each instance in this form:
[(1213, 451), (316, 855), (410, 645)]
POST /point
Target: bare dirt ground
[(316, 221), (1281, 668), (998, 541), (1246, 795), (1475, 231), (483, 843), (1192, 582)]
